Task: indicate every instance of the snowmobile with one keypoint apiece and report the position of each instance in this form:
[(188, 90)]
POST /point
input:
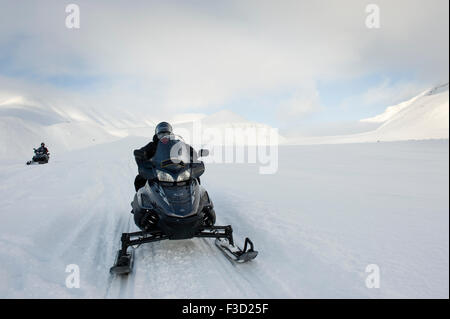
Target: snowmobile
[(173, 205), (39, 157)]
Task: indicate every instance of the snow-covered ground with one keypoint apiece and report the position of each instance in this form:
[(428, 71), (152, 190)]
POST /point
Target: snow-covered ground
[(328, 212)]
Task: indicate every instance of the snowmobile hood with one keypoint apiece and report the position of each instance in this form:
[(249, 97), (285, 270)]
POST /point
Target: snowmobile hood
[(174, 200), (180, 199)]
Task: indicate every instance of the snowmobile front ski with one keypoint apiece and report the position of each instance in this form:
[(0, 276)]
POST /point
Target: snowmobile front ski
[(123, 264), (235, 253), (222, 234), (34, 162), (124, 258)]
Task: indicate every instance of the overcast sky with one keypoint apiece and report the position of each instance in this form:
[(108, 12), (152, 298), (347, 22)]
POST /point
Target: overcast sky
[(285, 63)]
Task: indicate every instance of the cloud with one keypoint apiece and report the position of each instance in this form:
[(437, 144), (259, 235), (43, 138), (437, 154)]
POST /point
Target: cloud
[(384, 94), (387, 92), (304, 101), (180, 56)]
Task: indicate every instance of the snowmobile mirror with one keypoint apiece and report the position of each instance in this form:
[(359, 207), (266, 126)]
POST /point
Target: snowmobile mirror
[(197, 169), (203, 152)]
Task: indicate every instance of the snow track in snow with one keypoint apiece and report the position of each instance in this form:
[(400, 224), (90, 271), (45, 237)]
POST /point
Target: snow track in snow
[(328, 213)]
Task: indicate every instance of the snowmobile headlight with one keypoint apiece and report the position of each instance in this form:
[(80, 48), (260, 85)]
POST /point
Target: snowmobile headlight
[(184, 176), (164, 177)]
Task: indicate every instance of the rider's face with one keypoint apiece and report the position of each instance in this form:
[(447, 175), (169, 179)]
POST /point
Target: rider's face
[(162, 134)]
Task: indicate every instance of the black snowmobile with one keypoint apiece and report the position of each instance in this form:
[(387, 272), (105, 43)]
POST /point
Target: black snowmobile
[(173, 205), (39, 157)]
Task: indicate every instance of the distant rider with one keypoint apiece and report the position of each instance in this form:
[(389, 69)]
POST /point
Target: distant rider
[(149, 150), (42, 149)]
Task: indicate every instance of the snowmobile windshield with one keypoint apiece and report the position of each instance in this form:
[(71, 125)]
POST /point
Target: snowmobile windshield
[(172, 160)]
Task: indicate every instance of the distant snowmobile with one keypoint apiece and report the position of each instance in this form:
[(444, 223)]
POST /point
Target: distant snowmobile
[(173, 205), (41, 155)]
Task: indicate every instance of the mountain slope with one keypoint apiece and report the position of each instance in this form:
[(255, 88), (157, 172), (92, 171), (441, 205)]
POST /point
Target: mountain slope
[(425, 116), (391, 111), (24, 124)]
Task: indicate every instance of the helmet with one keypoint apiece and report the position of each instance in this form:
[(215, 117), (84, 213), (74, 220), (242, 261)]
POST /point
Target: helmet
[(42, 144), (162, 129)]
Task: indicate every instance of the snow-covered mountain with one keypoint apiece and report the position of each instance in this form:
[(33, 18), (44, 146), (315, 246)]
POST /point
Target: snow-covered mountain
[(425, 116), (24, 124), (392, 110)]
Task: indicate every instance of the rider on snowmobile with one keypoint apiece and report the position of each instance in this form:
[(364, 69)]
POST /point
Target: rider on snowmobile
[(42, 149), (172, 204), (149, 150)]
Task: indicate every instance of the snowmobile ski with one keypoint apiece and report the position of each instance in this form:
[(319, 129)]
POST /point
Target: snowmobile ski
[(123, 264), (235, 253), (39, 159)]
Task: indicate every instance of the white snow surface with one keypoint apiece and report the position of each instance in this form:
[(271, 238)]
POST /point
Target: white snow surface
[(328, 212)]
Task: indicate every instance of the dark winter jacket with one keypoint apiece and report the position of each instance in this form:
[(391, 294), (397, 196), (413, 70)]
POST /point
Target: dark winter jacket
[(150, 149), (42, 149)]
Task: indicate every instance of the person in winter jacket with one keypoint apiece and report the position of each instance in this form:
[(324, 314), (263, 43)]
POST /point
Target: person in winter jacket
[(149, 150), (42, 149)]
